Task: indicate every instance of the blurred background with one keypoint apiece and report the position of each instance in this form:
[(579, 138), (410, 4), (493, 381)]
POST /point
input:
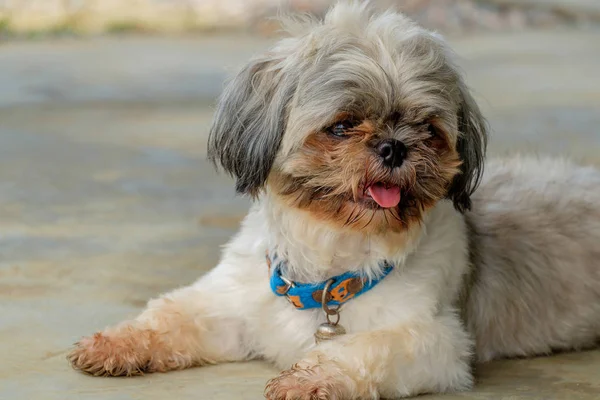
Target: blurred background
[(106, 198), (38, 17)]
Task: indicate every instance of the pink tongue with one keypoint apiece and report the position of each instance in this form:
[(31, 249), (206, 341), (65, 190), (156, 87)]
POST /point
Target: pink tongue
[(386, 198)]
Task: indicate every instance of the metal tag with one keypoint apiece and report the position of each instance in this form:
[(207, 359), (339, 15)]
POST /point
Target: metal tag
[(328, 331)]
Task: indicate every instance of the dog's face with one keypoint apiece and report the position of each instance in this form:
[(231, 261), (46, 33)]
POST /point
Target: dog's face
[(362, 121)]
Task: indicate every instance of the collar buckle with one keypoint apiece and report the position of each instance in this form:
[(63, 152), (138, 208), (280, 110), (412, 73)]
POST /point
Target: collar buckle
[(288, 285)]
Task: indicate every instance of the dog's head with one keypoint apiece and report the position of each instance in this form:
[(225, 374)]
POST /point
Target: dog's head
[(361, 119)]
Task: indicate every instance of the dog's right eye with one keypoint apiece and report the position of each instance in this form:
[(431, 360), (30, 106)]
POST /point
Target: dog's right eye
[(340, 129)]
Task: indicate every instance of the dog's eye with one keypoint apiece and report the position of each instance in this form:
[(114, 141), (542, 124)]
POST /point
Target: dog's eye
[(341, 128), (432, 130)]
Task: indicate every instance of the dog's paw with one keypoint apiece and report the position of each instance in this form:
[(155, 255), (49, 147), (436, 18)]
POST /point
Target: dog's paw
[(124, 351), (311, 382), (121, 353)]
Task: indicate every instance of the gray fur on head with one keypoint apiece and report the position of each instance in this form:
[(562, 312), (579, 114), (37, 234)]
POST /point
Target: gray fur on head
[(370, 66), (250, 121)]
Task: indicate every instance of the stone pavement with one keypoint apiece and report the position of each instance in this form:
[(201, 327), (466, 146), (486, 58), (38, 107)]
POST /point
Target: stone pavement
[(107, 200)]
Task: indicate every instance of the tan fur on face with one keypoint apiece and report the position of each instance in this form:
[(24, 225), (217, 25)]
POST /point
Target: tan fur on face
[(328, 175)]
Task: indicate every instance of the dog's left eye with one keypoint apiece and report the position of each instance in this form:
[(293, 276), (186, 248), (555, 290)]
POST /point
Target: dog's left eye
[(432, 130), (340, 129)]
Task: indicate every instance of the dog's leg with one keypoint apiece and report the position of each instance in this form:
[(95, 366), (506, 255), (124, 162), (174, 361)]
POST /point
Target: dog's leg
[(419, 357), (187, 327)]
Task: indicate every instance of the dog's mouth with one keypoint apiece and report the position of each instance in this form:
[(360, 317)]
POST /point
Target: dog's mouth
[(384, 194)]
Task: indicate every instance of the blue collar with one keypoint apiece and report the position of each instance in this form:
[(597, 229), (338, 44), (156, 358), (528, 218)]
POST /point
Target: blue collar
[(308, 295)]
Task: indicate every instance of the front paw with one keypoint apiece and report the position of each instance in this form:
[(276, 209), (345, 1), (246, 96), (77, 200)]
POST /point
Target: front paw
[(308, 381), (121, 353)]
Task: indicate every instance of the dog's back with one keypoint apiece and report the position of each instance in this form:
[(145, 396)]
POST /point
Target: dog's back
[(535, 247)]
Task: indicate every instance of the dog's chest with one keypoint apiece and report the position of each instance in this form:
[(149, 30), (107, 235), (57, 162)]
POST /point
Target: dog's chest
[(423, 281), (285, 334)]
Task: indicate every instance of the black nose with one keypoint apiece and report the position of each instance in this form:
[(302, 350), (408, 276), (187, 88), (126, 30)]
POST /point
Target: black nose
[(392, 151)]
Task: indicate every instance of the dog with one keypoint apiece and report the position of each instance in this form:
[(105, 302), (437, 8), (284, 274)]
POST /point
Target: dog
[(369, 266)]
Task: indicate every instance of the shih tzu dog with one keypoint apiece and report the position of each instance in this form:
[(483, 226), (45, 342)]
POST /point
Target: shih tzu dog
[(368, 266)]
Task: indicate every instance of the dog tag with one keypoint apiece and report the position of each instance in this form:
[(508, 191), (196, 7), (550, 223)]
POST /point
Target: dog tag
[(328, 331)]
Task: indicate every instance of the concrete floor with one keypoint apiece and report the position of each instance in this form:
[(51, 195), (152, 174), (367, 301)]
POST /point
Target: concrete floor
[(107, 199)]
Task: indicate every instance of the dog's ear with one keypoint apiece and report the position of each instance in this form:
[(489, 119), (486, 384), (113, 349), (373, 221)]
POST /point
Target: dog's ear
[(471, 146), (250, 120)]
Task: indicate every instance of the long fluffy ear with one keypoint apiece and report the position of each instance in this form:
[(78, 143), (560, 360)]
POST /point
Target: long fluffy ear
[(471, 146), (249, 122)]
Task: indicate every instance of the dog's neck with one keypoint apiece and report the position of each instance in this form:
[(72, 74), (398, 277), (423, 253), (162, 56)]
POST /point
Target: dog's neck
[(316, 251)]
